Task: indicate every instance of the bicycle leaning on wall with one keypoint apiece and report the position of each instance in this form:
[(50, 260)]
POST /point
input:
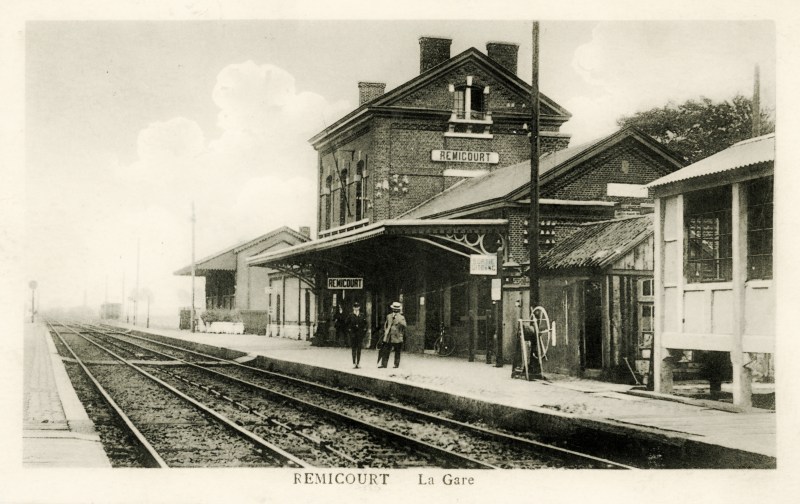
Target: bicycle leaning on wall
[(445, 345)]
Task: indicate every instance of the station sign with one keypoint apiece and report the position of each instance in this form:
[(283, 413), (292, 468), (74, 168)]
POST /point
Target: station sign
[(481, 264), (461, 156), (346, 283)]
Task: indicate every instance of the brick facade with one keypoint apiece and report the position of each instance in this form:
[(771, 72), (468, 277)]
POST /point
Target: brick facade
[(395, 147), (626, 163)]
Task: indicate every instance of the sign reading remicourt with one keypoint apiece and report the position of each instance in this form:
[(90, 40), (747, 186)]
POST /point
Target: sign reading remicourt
[(460, 156)]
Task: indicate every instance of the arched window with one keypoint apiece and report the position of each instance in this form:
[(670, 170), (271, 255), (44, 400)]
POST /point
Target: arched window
[(359, 180), (343, 204), (328, 209)]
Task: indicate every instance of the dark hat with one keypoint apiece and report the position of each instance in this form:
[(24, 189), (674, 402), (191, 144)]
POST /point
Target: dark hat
[(356, 305), (396, 306)]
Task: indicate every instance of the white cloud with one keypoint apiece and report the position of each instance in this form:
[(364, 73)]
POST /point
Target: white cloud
[(630, 67), (256, 174)]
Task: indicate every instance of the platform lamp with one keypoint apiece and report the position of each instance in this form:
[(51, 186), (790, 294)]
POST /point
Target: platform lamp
[(32, 284)]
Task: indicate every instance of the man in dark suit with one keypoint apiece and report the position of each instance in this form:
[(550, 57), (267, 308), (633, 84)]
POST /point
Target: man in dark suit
[(356, 325)]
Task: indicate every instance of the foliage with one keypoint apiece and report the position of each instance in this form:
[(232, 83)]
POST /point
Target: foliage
[(221, 315), (697, 129)]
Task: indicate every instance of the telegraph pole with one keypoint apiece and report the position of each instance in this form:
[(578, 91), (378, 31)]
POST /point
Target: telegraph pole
[(533, 219), (191, 322), (136, 292), (756, 112), (32, 284)]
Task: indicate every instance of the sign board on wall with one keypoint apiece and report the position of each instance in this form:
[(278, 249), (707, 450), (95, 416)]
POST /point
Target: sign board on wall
[(497, 289), (480, 264), (460, 156), (346, 283)]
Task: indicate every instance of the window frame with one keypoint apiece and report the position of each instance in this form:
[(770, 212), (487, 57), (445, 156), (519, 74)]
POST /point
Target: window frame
[(757, 210), (708, 233)]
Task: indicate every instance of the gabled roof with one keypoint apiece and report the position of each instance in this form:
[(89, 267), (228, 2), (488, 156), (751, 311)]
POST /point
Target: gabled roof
[(513, 181), (598, 244), (225, 260), (739, 155), (550, 107)]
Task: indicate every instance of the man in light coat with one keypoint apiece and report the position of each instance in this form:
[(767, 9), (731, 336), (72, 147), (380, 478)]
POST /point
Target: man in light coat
[(394, 331)]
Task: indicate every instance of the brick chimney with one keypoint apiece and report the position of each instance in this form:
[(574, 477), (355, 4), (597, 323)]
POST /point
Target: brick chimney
[(305, 231), (504, 53), (368, 91), (433, 51)]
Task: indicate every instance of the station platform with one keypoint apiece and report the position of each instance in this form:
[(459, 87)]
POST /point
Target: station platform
[(57, 432), (712, 428)]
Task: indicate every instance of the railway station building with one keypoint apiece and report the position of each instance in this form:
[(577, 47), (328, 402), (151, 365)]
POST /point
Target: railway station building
[(420, 184), (714, 268), (268, 301)]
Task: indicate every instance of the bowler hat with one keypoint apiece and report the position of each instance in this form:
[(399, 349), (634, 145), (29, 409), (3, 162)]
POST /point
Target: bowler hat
[(396, 306)]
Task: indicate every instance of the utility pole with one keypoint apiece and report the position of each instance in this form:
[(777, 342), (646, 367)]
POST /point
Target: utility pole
[(756, 112), (191, 322), (136, 292), (124, 299), (533, 219), (32, 284)]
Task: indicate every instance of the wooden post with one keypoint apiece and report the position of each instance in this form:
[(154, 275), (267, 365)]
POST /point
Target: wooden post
[(658, 295), (499, 313), (742, 393)]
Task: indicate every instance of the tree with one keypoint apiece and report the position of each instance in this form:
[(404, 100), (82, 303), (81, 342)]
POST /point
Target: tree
[(699, 128)]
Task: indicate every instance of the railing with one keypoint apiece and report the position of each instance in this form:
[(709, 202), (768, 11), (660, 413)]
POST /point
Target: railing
[(343, 229), (474, 117)]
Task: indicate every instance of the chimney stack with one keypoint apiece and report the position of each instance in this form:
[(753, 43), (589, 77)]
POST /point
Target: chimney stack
[(368, 91), (305, 231), (504, 53), (432, 52)]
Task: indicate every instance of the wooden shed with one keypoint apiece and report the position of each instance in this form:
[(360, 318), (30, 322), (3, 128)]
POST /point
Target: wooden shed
[(714, 276), (597, 287)]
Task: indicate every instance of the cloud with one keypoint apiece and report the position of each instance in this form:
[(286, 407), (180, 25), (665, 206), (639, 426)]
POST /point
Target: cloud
[(633, 66), (255, 174)]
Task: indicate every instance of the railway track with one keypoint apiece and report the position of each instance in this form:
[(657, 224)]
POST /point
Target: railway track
[(171, 429), (457, 444)]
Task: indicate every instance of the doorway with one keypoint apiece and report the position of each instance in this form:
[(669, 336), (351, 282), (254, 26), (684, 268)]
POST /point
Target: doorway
[(592, 326)]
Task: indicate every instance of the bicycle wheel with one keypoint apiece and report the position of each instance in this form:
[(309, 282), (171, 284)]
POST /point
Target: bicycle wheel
[(446, 346), (541, 326)]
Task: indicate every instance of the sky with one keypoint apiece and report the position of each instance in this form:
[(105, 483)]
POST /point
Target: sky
[(130, 122)]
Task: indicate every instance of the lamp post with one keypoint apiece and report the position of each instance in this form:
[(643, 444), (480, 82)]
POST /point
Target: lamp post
[(191, 322), (32, 284)]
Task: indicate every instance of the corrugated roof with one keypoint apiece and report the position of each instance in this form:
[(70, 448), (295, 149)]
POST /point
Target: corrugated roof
[(745, 153), (495, 184), (598, 244)]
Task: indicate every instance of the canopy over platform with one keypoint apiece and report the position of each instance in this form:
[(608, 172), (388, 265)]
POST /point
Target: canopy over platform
[(378, 243)]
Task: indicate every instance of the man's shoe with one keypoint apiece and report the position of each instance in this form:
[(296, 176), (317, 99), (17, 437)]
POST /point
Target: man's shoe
[(381, 366), (395, 366)]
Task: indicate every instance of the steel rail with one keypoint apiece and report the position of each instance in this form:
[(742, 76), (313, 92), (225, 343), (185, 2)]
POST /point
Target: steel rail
[(462, 461), (252, 437), (430, 417), (152, 455)]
